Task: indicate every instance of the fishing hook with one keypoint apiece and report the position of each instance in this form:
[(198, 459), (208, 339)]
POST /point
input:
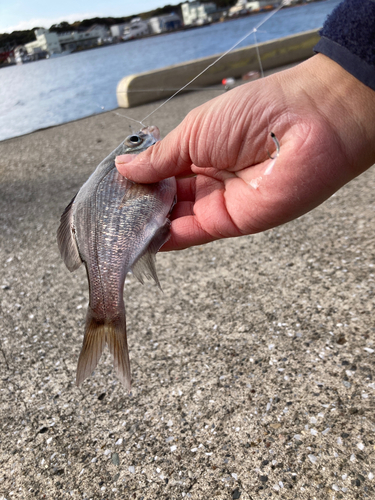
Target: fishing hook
[(277, 144)]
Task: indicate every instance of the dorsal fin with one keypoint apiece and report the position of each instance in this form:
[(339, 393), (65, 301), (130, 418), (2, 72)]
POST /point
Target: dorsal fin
[(66, 240)]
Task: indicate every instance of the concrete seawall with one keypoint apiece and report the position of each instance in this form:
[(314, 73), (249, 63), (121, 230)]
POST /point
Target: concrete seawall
[(150, 86)]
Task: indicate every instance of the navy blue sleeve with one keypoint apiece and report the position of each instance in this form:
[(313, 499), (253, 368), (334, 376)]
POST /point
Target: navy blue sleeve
[(348, 38)]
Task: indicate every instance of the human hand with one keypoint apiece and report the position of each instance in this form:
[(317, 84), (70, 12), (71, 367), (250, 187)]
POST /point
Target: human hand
[(324, 121)]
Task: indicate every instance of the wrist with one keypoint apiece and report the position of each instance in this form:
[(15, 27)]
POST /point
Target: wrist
[(348, 106)]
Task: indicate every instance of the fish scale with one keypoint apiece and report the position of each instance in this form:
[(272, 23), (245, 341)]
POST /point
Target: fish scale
[(114, 226)]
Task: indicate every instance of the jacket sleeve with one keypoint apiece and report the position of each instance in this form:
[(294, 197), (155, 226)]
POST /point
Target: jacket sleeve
[(348, 38)]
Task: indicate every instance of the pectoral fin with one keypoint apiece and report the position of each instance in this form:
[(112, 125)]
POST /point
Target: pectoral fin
[(66, 240), (145, 265)]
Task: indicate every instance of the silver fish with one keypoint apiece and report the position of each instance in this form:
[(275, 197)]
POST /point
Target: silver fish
[(114, 226)]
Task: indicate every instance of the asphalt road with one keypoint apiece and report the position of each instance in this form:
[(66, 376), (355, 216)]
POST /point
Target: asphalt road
[(253, 373)]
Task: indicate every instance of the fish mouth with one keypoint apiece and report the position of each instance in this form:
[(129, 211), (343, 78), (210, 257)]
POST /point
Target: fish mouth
[(153, 131)]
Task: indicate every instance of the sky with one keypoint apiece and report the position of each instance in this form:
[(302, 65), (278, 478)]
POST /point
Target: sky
[(26, 14)]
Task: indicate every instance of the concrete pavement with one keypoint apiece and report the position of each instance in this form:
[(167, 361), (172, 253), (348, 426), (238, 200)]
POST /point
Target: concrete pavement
[(253, 373)]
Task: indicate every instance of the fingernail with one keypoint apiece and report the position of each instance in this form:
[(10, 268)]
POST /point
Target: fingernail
[(125, 158)]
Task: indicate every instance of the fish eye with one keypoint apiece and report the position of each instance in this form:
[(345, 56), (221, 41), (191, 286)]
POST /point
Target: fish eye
[(133, 140)]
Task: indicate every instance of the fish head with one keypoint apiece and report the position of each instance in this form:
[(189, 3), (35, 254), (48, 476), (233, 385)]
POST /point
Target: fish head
[(136, 143), (153, 131)]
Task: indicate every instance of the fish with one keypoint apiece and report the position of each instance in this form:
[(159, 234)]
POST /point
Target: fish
[(114, 226)]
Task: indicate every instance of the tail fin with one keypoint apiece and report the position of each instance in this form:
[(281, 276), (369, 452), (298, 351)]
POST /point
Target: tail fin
[(97, 333)]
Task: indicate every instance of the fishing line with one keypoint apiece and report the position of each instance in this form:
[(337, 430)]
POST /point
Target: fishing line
[(129, 118), (123, 116), (193, 89), (197, 89), (272, 135), (258, 55), (284, 2)]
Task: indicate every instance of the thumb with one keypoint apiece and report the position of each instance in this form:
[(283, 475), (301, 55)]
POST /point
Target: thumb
[(167, 158)]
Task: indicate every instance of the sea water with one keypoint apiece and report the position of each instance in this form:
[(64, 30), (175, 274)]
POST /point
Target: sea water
[(54, 91)]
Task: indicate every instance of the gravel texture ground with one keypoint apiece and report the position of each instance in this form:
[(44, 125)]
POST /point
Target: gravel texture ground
[(253, 373)]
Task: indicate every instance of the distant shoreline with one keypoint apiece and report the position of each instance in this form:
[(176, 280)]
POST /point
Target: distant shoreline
[(65, 89), (178, 30)]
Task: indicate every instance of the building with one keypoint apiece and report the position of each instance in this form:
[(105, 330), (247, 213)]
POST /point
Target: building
[(137, 28), (189, 12), (45, 40), (194, 13), (204, 11), (117, 30), (20, 55), (56, 43), (83, 39), (6, 55), (161, 24), (244, 7)]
